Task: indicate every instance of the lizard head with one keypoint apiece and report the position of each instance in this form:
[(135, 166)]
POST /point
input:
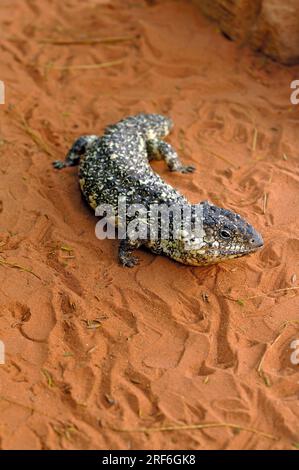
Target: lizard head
[(224, 235)]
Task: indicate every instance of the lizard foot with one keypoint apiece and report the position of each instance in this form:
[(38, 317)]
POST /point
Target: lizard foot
[(58, 164), (187, 169), (184, 169), (129, 261)]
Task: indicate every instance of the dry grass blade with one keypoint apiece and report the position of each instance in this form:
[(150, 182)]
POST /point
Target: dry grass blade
[(254, 141), (265, 200), (66, 248), (65, 430), (284, 289), (35, 136), (199, 426), (265, 294), (87, 41), (71, 428), (18, 266), (49, 378), (216, 155), (88, 66), (92, 324), (26, 407)]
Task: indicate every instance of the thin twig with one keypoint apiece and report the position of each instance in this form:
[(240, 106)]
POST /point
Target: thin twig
[(254, 142), (26, 407), (35, 136), (18, 266), (265, 294), (87, 66), (198, 426), (265, 200), (216, 155), (87, 41)]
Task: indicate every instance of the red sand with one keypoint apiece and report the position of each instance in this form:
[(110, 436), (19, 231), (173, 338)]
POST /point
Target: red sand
[(171, 346)]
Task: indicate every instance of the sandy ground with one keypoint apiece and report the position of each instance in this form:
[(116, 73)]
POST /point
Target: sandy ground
[(95, 353)]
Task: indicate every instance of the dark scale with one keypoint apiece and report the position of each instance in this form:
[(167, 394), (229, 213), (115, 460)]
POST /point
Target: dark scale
[(117, 165)]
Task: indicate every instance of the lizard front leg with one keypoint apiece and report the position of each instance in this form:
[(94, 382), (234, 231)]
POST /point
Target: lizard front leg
[(160, 150), (126, 248)]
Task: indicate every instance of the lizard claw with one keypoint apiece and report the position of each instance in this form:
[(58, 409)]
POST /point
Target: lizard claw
[(58, 164), (129, 261), (187, 169)]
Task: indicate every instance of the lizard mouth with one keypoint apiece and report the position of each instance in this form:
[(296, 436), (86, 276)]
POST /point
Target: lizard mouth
[(256, 244), (238, 254)]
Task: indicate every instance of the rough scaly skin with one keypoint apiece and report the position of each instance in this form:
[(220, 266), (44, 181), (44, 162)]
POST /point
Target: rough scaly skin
[(117, 165)]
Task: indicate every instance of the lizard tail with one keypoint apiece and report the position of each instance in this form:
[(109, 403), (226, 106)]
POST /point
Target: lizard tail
[(76, 152)]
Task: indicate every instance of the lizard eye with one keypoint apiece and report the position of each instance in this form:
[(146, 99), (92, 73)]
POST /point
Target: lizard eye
[(225, 234)]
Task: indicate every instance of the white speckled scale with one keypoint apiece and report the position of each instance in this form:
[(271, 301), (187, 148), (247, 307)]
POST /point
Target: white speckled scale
[(117, 165)]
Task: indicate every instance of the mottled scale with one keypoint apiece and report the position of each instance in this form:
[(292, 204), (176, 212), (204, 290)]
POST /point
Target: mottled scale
[(117, 165)]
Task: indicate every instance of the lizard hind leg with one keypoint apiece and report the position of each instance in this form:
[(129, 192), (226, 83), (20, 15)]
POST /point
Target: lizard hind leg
[(78, 149)]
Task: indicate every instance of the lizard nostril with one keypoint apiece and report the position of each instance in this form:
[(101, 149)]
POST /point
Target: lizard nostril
[(257, 241)]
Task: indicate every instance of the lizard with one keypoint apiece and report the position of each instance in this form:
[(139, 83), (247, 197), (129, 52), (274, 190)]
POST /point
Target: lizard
[(117, 164)]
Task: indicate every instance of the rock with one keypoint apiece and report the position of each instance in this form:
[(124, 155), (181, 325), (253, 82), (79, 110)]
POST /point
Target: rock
[(270, 26), (276, 32), (234, 17)]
